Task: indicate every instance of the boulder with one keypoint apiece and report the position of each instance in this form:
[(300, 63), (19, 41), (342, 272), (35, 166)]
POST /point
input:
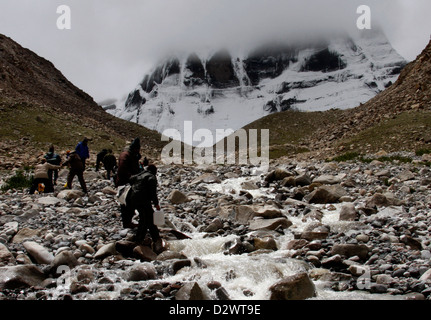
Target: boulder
[(6, 256), (270, 224), (326, 194), (276, 175), (106, 251), (349, 250), (348, 212), (144, 253), (24, 276), (296, 287), (206, 178), (49, 201), (140, 272), (303, 180), (190, 291), (65, 258), (177, 197), (330, 179), (267, 211), (70, 194), (265, 243), (39, 253), (24, 234)]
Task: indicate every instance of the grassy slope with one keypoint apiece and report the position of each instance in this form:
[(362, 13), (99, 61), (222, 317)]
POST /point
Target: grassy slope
[(292, 132), (31, 129)]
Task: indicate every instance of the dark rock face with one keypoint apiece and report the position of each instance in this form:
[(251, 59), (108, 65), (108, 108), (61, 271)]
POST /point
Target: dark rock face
[(325, 61), (197, 71), (170, 67), (135, 100), (269, 63), (220, 71)]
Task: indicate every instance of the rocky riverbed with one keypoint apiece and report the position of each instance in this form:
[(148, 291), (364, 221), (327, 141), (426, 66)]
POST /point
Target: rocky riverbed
[(302, 230)]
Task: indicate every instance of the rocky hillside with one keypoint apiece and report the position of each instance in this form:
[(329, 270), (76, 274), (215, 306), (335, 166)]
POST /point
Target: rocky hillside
[(39, 106), (399, 118)]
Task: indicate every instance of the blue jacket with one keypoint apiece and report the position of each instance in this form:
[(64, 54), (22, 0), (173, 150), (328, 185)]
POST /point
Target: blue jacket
[(82, 150)]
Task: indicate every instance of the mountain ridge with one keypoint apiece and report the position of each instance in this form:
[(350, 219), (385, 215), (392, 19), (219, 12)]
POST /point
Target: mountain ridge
[(39, 107), (224, 91), (397, 119)]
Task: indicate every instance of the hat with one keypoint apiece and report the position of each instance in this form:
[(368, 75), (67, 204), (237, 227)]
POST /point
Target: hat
[(136, 144), (152, 168)]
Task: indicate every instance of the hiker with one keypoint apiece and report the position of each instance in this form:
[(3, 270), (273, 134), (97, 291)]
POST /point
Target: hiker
[(83, 151), (76, 168), (99, 158), (142, 196), (55, 159), (41, 177), (110, 163), (128, 165)]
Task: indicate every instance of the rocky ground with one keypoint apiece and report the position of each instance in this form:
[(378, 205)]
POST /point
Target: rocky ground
[(68, 245)]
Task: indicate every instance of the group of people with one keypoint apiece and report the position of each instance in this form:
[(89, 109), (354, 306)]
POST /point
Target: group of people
[(140, 176), (46, 172)]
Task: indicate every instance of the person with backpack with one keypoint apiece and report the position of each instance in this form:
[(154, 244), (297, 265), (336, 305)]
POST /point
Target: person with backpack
[(99, 158), (54, 159), (128, 165), (110, 163), (141, 197)]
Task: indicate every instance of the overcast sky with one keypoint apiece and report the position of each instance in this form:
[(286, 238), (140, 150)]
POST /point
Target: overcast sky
[(113, 43)]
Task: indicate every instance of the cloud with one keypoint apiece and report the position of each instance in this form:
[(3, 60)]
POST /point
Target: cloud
[(113, 43)]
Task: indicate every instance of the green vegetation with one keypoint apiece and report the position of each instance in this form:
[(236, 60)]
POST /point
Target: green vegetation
[(408, 131), (21, 180), (290, 130)]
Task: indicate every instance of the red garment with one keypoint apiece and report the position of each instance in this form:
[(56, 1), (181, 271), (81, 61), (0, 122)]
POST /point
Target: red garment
[(128, 165)]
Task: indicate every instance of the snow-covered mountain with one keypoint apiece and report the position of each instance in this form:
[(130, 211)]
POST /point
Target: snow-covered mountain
[(224, 91)]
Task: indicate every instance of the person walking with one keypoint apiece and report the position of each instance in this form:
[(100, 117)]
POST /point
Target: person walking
[(83, 151), (141, 197), (128, 165), (110, 163), (99, 158), (76, 168)]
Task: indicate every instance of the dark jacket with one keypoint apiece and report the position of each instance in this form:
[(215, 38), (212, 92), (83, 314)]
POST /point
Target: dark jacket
[(128, 165), (82, 150), (109, 161), (75, 162), (53, 158), (144, 188)]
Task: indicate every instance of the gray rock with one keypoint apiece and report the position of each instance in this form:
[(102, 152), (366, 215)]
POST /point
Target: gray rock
[(350, 250), (296, 287), (106, 251), (177, 197), (270, 224), (348, 212), (140, 272), (326, 194), (20, 277), (190, 291), (39, 253)]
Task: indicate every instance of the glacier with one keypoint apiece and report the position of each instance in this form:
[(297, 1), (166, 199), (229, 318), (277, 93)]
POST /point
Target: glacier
[(226, 92)]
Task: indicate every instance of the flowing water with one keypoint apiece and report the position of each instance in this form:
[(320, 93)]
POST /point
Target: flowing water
[(246, 276)]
